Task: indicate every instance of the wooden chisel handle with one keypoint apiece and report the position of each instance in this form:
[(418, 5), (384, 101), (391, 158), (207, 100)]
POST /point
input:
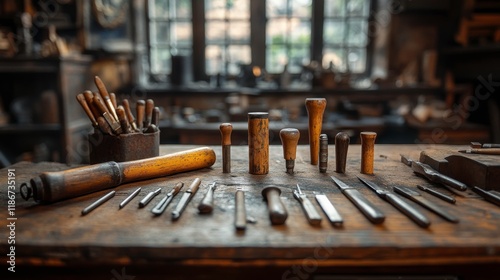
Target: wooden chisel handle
[(83, 102), (315, 108), (277, 211), (150, 104), (54, 186), (140, 111)]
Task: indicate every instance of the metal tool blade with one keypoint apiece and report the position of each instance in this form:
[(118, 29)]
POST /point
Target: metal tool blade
[(340, 184), (378, 190), (181, 205), (330, 211), (434, 176)]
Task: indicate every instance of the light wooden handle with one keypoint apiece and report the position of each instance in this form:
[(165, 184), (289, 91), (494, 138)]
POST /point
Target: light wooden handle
[(258, 143), (140, 108), (225, 130), (289, 139), (315, 109), (367, 151)]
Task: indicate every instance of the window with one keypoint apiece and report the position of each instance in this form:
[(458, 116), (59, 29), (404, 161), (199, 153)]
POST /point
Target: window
[(267, 33), (170, 33)]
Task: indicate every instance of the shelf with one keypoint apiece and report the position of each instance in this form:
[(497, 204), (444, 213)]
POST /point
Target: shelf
[(30, 128)]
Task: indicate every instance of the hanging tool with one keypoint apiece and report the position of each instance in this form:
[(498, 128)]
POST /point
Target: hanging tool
[(315, 108), (162, 205), (418, 198), (149, 197), (98, 203), (54, 186), (129, 198), (365, 206), (490, 196), (207, 203), (312, 215), (367, 151), (330, 211), (240, 215), (341, 147), (398, 203), (225, 131), (323, 153), (105, 95), (437, 194), (477, 145), (186, 197), (258, 143), (289, 139), (277, 210)]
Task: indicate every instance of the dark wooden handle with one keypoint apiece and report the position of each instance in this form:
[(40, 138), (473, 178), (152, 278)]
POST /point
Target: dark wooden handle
[(150, 104), (341, 146), (140, 111), (315, 109), (83, 102), (120, 111), (277, 210), (289, 140)]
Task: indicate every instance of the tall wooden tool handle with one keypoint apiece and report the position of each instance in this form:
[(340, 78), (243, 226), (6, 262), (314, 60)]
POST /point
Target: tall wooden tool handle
[(315, 109), (54, 186)]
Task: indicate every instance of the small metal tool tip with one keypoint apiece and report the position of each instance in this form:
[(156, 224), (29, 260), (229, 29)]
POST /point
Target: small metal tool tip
[(298, 188), (175, 215)]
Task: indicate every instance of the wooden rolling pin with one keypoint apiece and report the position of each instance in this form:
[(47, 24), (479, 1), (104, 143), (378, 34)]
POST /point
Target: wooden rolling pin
[(54, 186)]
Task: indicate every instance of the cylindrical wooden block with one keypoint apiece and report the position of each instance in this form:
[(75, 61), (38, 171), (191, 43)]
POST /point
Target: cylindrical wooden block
[(258, 143), (367, 151), (315, 109)]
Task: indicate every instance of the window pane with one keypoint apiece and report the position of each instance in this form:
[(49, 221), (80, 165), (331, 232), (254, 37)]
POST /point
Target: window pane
[(276, 58), (357, 60), (158, 9), (160, 60), (215, 9), (276, 8), (335, 55), (334, 8), (357, 7), (215, 32), (159, 32), (299, 55), (333, 32), (301, 8), (239, 32), (182, 8), (181, 33), (300, 31), (277, 31), (237, 55), (213, 60), (357, 33), (239, 9)]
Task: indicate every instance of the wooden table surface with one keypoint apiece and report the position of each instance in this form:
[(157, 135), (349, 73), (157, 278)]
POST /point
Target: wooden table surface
[(57, 234)]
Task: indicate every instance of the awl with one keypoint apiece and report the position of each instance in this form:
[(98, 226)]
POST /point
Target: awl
[(397, 202), (366, 207), (418, 198), (186, 197), (162, 205)]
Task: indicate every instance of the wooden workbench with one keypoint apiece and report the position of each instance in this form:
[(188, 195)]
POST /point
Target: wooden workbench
[(55, 240)]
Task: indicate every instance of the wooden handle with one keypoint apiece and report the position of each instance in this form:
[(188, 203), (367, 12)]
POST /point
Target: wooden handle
[(367, 151), (120, 111), (155, 117), (277, 211), (104, 126), (140, 108), (89, 97), (128, 112), (289, 140), (315, 109), (258, 143), (83, 102), (240, 220), (341, 146), (150, 104), (54, 186), (225, 130), (112, 96), (105, 96)]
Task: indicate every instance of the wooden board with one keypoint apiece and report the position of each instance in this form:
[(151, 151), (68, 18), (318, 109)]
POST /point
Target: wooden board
[(56, 234)]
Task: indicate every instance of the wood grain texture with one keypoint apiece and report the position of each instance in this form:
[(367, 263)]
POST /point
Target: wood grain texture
[(56, 234)]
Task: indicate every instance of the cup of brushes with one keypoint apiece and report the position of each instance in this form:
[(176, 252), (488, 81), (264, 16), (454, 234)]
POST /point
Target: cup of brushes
[(118, 134)]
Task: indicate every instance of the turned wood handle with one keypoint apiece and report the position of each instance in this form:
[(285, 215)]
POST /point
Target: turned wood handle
[(289, 140), (315, 109), (140, 111), (150, 104), (341, 146), (120, 111), (258, 143), (225, 130), (277, 210), (83, 102), (367, 151), (105, 95), (89, 97), (54, 186)]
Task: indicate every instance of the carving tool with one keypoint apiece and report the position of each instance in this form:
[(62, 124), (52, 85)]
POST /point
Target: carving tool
[(323, 153), (140, 111), (341, 146), (186, 197), (365, 206), (240, 216), (330, 211), (477, 145), (98, 203), (482, 151), (115, 126), (398, 203), (54, 186), (418, 198), (258, 143), (437, 194), (432, 175), (207, 203), (150, 104), (315, 108), (490, 196), (149, 197), (225, 131), (289, 139), (277, 210), (164, 202), (89, 97), (83, 102), (112, 96), (130, 116), (104, 126), (120, 111), (105, 95), (367, 151), (155, 118), (129, 198), (312, 215)]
